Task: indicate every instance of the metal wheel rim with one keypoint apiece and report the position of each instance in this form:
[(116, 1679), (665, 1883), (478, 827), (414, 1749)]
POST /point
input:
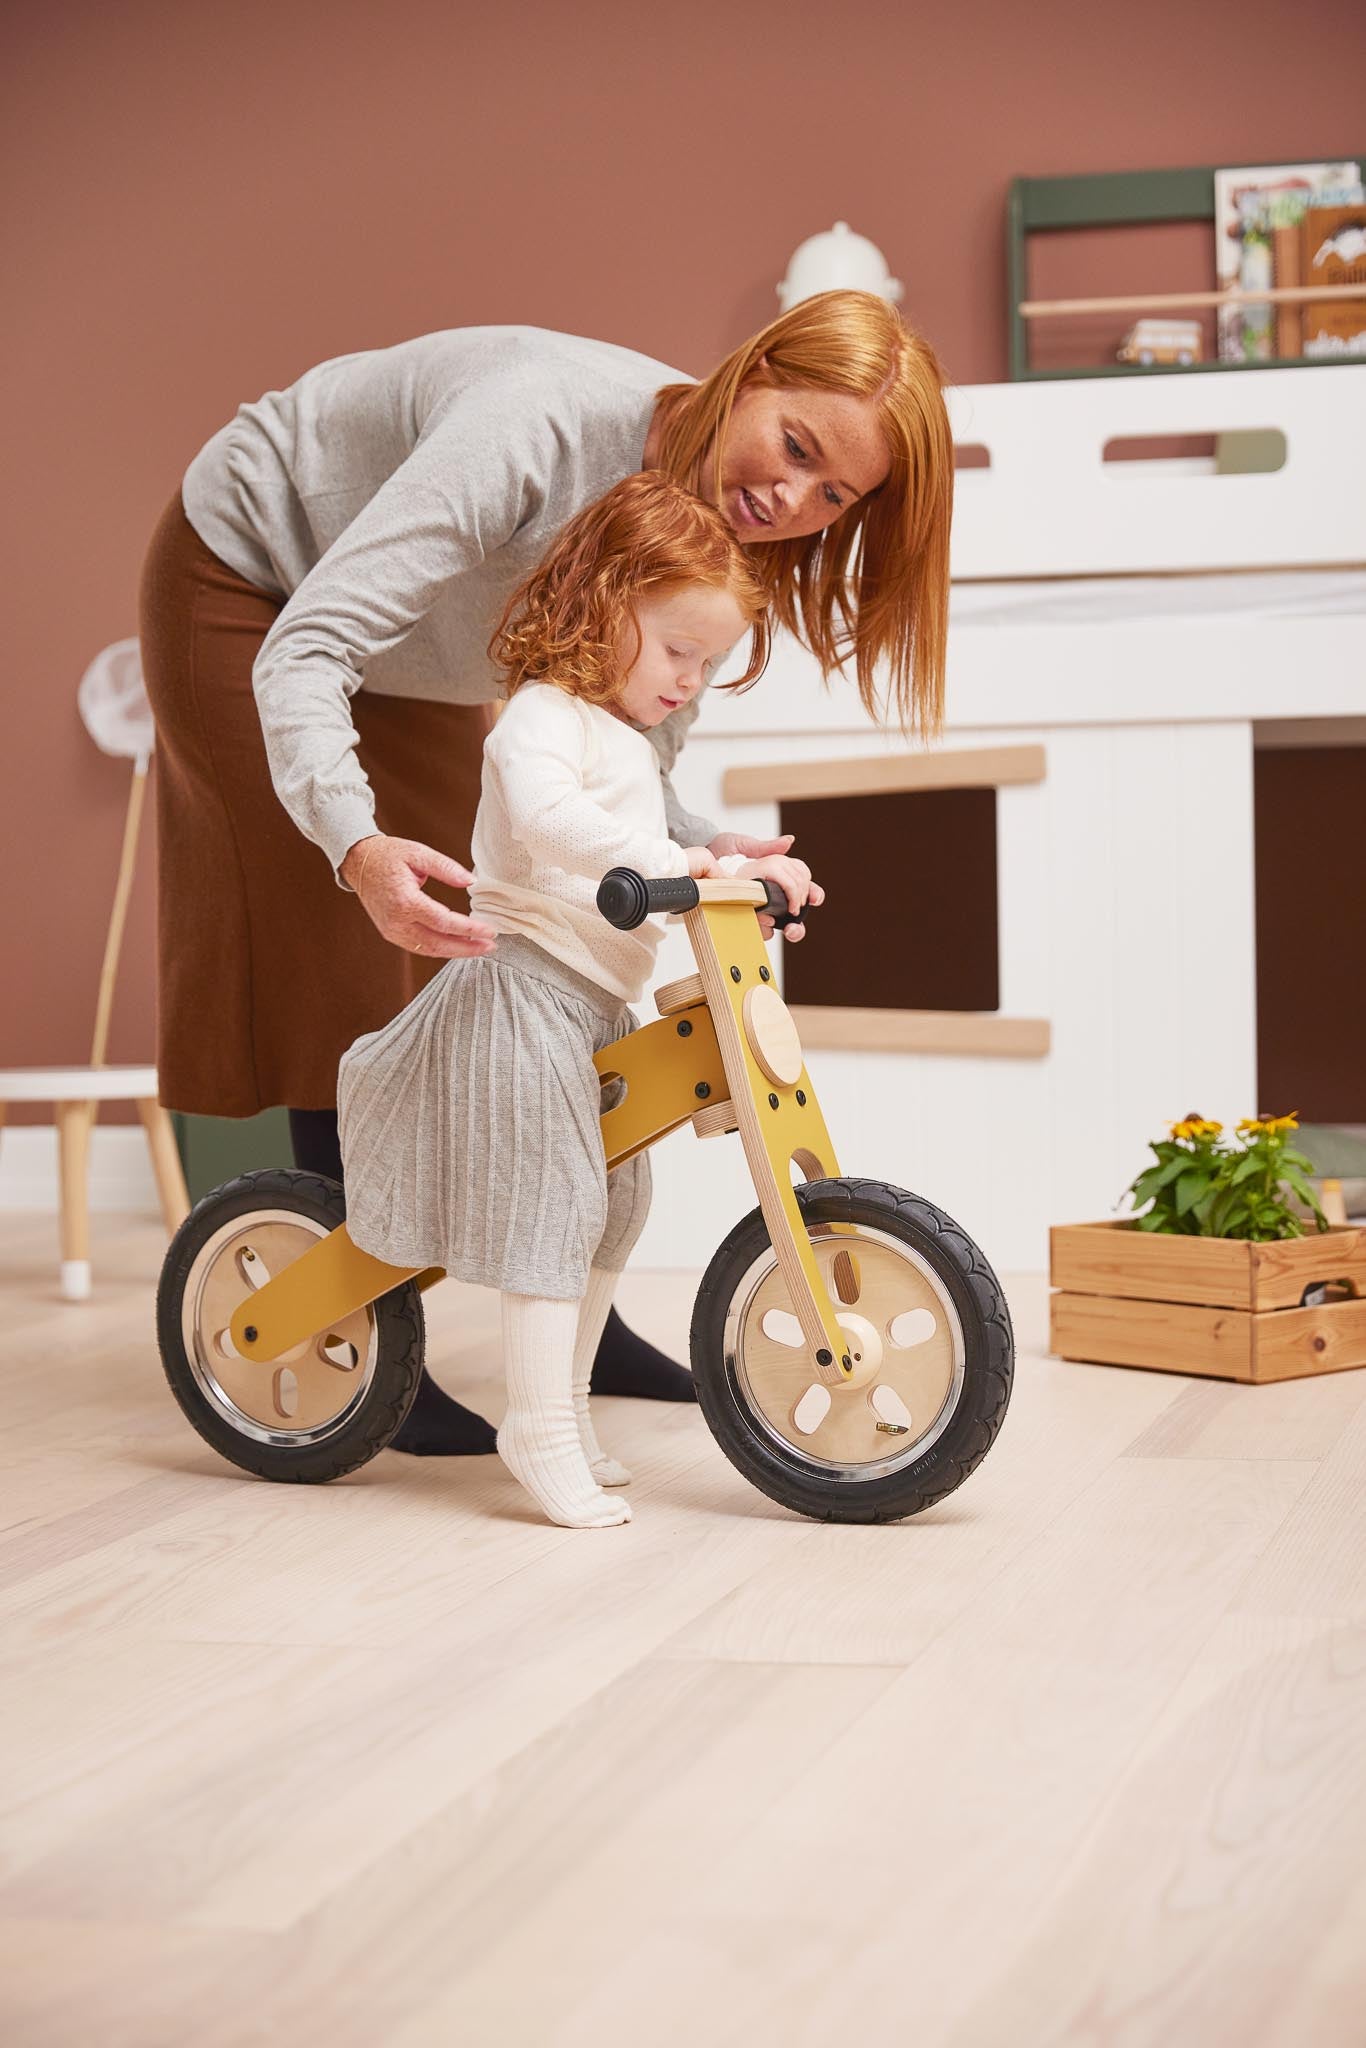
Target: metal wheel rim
[(209, 1287), (922, 1280)]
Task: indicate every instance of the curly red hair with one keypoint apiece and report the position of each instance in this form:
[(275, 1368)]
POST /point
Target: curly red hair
[(648, 534)]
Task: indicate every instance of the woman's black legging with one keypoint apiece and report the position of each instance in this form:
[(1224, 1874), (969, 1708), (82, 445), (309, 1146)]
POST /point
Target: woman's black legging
[(317, 1146)]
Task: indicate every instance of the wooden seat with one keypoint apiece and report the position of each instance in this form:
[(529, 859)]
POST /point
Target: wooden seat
[(77, 1093)]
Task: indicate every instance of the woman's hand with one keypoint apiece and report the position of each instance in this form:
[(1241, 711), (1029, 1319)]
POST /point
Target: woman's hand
[(752, 849), (759, 850), (793, 878), (388, 874)]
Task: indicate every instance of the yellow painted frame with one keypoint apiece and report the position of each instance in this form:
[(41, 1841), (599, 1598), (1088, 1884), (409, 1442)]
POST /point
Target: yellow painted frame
[(695, 1057)]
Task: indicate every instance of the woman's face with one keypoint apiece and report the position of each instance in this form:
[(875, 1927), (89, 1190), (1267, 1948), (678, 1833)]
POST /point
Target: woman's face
[(796, 459)]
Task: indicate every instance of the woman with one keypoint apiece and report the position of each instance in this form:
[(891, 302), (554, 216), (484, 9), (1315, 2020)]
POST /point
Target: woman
[(316, 608)]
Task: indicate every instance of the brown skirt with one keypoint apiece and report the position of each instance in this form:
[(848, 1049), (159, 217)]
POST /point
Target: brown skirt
[(267, 970)]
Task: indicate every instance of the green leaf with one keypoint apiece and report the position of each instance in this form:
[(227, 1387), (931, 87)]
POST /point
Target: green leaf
[(1155, 1177), (1301, 1187), (1189, 1189)]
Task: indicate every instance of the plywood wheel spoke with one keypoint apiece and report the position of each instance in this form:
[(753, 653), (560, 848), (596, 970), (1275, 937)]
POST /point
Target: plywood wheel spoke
[(921, 1377), (778, 1374)]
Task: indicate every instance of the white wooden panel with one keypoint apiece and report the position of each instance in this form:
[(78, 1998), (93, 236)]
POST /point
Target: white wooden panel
[(1151, 858), (1050, 506), (1218, 932), (1159, 671), (1022, 899), (1083, 945), (1126, 918), (1002, 677)]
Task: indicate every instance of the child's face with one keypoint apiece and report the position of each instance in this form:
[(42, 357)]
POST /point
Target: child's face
[(681, 632)]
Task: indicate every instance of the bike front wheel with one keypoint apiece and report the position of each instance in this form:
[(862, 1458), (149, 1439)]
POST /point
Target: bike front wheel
[(928, 1332)]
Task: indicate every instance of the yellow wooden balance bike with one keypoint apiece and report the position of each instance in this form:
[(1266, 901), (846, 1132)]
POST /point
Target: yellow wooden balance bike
[(851, 1347)]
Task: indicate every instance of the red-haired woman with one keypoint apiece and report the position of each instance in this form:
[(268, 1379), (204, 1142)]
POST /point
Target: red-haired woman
[(316, 609)]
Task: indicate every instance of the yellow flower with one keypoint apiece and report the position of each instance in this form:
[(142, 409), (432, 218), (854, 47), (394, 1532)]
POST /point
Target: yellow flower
[(1268, 1126), (1195, 1127)]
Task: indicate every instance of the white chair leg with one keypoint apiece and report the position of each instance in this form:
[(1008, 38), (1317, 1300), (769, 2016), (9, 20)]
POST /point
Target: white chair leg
[(74, 1120), (170, 1175)]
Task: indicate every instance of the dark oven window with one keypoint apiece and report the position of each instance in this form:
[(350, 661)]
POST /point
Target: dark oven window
[(912, 916)]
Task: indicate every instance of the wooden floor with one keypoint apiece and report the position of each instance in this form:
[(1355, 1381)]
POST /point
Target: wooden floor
[(1078, 1757)]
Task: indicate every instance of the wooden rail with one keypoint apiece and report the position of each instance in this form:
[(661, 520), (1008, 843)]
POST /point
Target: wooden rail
[(881, 774), (1284, 295)]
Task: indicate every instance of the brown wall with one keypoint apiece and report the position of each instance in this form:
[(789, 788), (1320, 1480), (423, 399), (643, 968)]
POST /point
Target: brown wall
[(203, 199)]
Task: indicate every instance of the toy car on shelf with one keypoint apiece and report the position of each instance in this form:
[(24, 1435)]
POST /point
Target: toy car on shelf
[(1162, 341)]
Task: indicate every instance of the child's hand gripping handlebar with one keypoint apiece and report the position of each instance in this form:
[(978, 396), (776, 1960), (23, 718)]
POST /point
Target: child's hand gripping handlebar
[(626, 899)]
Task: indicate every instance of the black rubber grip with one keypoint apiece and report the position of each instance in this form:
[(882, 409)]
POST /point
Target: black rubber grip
[(626, 899)]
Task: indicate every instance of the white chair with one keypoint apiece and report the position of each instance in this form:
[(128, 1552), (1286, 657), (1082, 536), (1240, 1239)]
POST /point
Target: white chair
[(113, 704)]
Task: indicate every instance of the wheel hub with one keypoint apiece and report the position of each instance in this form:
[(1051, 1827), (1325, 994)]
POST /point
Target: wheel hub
[(865, 1351)]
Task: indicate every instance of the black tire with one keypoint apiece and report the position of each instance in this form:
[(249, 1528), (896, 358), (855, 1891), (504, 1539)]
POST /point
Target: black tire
[(392, 1366), (963, 1430)]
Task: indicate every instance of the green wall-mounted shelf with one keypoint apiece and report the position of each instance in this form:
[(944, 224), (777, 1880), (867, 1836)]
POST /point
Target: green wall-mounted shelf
[(1118, 199)]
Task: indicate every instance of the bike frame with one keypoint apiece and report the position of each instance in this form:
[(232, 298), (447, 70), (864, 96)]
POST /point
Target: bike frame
[(724, 1055)]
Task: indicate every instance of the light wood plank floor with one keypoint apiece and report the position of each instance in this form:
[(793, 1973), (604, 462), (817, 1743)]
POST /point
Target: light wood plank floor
[(1077, 1758)]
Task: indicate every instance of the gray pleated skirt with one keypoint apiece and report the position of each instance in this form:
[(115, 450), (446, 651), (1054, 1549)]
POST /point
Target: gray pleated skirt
[(470, 1129)]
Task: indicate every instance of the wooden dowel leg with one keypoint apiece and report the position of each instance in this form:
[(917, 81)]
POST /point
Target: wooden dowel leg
[(114, 936), (74, 1120), (171, 1188)]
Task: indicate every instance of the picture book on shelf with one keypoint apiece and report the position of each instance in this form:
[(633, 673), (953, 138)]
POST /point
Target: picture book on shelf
[(1259, 245)]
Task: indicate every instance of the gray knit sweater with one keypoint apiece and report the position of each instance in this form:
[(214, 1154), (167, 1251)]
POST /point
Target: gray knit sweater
[(395, 498)]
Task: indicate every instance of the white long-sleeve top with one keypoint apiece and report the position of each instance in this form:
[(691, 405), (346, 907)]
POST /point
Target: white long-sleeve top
[(568, 792)]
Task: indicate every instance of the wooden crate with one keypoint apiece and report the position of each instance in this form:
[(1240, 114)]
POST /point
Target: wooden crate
[(1208, 1305)]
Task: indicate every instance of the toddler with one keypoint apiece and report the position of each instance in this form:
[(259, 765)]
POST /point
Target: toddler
[(469, 1125)]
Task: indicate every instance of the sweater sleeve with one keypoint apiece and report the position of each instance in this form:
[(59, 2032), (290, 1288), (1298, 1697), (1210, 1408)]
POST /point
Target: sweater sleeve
[(550, 812), (471, 480)]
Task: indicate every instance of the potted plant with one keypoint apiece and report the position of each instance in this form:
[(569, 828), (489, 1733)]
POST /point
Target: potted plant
[(1227, 1266)]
